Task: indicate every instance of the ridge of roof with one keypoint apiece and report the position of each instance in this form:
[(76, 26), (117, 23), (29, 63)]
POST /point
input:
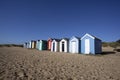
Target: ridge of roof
[(56, 39), (76, 37), (90, 36)]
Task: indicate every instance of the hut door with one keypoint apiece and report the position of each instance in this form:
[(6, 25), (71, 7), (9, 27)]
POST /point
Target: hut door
[(73, 47), (63, 46), (40, 45), (53, 46), (30, 45), (34, 45), (87, 46), (49, 47)]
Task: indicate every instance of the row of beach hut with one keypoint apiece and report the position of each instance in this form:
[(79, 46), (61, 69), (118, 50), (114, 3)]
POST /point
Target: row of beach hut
[(87, 44)]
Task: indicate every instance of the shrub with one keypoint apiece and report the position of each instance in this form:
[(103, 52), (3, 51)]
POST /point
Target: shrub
[(118, 50), (105, 44)]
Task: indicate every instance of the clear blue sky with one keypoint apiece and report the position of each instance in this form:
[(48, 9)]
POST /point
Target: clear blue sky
[(24, 20)]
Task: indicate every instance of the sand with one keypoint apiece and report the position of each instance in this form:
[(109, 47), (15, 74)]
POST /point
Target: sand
[(29, 64)]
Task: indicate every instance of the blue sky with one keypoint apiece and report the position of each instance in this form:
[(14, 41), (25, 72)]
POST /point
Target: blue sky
[(24, 20)]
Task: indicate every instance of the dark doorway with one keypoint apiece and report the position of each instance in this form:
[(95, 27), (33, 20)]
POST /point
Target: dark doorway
[(53, 46), (63, 46)]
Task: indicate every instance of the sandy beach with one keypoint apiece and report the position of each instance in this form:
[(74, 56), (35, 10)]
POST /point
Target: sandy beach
[(18, 63)]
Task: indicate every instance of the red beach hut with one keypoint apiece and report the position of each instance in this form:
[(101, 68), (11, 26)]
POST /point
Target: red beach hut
[(49, 43)]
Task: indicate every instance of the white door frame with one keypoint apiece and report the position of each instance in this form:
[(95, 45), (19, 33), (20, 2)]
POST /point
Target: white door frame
[(73, 47), (87, 46)]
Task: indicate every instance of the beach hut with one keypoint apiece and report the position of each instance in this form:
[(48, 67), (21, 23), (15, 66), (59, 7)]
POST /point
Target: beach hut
[(25, 45), (37, 44), (49, 43), (33, 44), (29, 44), (64, 45), (90, 44), (42, 45), (55, 45), (74, 45)]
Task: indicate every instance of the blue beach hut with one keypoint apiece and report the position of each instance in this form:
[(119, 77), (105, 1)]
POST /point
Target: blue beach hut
[(90, 44)]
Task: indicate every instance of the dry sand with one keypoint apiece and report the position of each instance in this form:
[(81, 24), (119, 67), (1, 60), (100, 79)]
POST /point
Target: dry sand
[(26, 64)]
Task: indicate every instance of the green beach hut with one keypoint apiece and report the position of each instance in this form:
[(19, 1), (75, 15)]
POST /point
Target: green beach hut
[(42, 45)]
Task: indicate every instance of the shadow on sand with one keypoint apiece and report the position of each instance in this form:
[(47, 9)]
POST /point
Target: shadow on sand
[(102, 54), (107, 52)]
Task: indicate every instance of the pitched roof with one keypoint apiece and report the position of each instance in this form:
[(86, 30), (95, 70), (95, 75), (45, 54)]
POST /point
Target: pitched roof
[(50, 38), (56, 39), (33, 41), (93, 37), (41, 40), (65, 38), (75, 37)]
